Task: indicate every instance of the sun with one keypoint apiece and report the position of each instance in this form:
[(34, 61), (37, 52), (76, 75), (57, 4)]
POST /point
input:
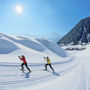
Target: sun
[(19, 9)]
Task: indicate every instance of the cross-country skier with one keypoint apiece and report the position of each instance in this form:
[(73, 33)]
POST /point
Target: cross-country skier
[(24, 63), (48, 63)]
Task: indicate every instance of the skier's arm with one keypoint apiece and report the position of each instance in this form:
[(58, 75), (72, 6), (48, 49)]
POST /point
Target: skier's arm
[(20, 58), (45, 58)]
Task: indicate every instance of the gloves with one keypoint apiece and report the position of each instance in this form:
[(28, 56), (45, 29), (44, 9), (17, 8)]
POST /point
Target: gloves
[(19, 56)]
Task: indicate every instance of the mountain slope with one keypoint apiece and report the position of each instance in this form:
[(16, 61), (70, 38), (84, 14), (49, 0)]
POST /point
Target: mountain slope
[(79, 34), (33, 49), (68, 73)]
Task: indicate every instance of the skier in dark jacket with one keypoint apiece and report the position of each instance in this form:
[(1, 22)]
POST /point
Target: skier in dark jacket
[(24, 62), (48, 63)]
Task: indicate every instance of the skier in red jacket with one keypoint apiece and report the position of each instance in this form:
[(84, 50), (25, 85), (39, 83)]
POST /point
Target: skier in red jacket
[(24, 62)]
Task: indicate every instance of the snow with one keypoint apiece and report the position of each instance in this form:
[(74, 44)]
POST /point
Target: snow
[(71, 68), (53, 47), (74, 47), (30, 47)]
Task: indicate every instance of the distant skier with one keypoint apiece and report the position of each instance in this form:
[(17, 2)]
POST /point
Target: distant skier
[(48, 63), (24, 62)]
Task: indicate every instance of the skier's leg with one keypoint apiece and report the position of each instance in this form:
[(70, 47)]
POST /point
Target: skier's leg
[(22, 66), (51, 67), (27, 67), (46, 66)]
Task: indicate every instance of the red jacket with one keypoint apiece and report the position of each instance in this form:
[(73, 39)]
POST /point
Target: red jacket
[(23, 59)]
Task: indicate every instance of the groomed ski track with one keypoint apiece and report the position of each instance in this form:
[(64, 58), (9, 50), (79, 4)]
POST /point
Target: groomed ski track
[(12, 78)]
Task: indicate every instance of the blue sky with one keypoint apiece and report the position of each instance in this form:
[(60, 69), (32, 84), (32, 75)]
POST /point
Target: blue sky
[(42, 17)]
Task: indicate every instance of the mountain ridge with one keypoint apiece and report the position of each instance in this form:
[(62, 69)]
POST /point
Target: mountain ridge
[(78, 34)]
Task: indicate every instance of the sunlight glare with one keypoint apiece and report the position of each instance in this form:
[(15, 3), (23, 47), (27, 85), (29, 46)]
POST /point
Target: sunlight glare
[(19, 9)]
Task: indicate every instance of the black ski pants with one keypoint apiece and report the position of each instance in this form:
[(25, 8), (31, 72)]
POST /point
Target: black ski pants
[(25, 65), (49, 65)]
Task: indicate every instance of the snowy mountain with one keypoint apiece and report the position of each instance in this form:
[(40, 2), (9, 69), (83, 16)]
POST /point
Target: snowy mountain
[(53, 36), (71, 70), (79, 34), (38, 48)]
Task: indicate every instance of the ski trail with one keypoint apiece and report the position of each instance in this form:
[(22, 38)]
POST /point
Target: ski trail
[(11, 76), (88, 78)]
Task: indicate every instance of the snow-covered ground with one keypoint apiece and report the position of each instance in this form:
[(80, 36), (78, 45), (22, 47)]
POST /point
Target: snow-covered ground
[(71, 69)]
